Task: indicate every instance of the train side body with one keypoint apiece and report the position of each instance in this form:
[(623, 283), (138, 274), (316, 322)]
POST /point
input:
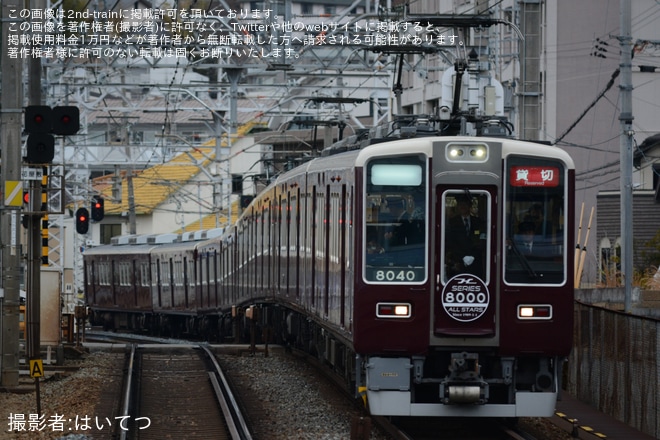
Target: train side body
[(173, 271), (294, 245), (360, 258), (118, 280)]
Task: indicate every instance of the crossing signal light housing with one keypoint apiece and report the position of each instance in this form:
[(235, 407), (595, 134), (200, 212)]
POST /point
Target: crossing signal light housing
[(82, 220), (38, 119), (41, 122), (40, 148), (63, 120), (66, 120), (97, 209)]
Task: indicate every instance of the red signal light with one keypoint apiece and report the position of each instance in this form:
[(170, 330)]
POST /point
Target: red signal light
[(38, 119), (97, 209), (66, 120), (82, 220)]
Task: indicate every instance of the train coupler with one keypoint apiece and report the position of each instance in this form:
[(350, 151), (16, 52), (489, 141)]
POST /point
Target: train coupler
[(464, 384)]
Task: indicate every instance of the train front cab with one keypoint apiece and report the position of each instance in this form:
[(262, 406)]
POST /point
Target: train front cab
[(496, 321)]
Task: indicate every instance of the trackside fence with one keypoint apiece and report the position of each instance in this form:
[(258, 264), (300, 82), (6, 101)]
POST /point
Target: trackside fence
[(615, 365)]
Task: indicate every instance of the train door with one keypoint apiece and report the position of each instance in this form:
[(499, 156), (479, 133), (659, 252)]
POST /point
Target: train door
[(465, 301)]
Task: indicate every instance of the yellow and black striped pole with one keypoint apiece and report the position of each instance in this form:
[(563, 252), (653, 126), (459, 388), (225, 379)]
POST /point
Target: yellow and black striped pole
[(44, 218)]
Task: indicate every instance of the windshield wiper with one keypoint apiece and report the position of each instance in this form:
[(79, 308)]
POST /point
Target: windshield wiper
[(523, 260)]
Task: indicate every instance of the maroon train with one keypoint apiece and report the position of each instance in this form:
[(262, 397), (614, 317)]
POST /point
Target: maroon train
[(361, 256)]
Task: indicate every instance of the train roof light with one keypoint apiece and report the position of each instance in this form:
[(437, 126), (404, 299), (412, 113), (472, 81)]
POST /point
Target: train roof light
[(462, 152)]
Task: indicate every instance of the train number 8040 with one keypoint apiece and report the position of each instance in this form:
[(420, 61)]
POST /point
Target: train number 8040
[(397, 275)]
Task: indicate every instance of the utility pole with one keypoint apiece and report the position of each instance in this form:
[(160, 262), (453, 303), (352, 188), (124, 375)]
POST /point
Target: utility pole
[(34, 242), (10, 176), (625, 119)]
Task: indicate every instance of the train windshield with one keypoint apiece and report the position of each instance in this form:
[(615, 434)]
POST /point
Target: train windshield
[(395, 236), (535, 239)]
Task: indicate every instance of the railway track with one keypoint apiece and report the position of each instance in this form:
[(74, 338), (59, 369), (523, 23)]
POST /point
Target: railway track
[(422, 428), (178, 392), (164, 366)]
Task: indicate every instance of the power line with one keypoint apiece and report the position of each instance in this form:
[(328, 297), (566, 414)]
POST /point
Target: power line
[(608, 86)]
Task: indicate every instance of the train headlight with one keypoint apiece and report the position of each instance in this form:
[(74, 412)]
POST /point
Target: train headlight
[(478, 152), (535, 311), (393, 310), (456, 152)]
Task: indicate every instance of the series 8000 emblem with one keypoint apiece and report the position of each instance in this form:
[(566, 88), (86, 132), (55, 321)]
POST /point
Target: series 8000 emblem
[(465, 298)]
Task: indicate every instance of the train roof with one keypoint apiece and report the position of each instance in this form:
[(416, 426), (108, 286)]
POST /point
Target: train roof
[(357, 149), (181, 245), (348, 158), (423, 144), (341, 160), (141, 244), (113, 249)]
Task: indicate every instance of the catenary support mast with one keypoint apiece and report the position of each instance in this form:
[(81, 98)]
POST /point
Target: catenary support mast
[(10, 176)]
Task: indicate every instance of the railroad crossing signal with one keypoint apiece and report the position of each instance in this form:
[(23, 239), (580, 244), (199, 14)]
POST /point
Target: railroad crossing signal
[(82, 221)]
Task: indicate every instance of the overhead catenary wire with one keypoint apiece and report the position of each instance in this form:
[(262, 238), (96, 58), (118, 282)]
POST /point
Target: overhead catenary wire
[(608, 86)]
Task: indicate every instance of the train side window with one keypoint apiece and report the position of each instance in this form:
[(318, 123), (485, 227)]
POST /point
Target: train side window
[(396, 220), (535, 209), (124, 273), (91, 281), (165, 273), (104, 273), (144, 274)]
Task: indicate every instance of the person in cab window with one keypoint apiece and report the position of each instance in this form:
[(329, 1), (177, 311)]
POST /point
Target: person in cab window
[(528, 243), (465, 233), (407, 223), (535, 215), (525, 238), (395, 234)]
